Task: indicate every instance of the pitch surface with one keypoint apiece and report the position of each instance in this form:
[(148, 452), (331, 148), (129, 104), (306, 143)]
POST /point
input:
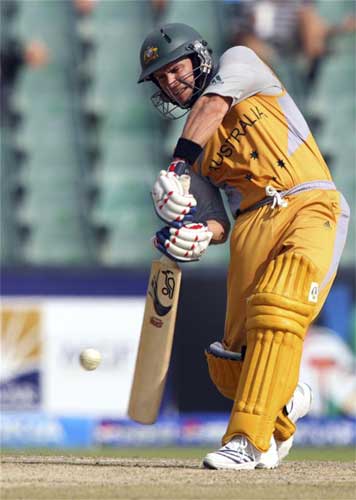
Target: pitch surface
[(65, 477)]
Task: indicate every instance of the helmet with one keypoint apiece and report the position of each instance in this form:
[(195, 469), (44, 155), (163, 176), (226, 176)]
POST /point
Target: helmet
[(169, 43)]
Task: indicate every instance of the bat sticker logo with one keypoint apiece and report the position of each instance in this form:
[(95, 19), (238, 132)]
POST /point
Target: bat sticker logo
[(158, 323), (167, 289), (169, 284)]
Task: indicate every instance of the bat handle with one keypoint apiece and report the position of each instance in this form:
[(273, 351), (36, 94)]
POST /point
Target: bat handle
[(182, 168), (185, 182)]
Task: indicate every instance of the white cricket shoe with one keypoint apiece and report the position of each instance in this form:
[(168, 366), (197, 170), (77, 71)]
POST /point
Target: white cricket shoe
[(269, 459), (238, 453), (298, 406)]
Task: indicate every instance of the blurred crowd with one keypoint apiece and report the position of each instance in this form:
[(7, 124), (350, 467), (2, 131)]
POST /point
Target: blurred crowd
[(17, 55), (280, 31), (293, 37), (277, 30)]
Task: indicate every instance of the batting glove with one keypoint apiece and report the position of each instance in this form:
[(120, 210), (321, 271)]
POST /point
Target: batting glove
[(171, 199), (186, 244)]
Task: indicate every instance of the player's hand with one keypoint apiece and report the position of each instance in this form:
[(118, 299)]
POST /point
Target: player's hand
[(172, 201), (185, 244)]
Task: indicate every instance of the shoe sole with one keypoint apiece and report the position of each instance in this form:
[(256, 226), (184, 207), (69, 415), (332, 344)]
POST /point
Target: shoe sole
[(267, 467), (209, 465)]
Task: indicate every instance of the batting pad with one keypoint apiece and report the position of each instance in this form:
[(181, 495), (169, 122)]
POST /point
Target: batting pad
[(224, 369), (278, 315), (284, 427)]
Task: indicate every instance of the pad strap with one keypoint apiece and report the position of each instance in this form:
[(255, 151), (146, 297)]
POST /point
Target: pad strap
[(217, 349), (224, 369)]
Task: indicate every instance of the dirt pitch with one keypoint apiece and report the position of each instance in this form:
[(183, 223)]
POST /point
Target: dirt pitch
[(57, 478)]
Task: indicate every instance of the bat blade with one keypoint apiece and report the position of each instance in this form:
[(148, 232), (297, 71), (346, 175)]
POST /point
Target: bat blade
[(156, 339)]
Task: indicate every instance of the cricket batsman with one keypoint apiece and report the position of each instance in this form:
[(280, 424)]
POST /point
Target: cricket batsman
[(245, 136)]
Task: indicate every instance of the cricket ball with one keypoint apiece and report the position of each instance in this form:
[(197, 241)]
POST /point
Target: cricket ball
[(90, 359)]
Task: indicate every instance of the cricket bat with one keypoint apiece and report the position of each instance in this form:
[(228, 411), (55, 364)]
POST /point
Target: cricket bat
[(156, 339)]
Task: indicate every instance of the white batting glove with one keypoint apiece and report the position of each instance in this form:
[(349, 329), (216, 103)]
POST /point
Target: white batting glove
[(188, 243), (171, 201)]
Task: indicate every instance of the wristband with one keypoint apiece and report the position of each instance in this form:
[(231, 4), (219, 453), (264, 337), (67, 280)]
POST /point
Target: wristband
[(187, 149)]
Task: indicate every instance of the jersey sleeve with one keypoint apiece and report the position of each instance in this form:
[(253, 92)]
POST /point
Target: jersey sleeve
[(210, 205), (241, 74)]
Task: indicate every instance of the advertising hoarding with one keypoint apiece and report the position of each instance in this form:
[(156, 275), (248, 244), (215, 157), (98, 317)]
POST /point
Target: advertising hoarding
[(41, 342)]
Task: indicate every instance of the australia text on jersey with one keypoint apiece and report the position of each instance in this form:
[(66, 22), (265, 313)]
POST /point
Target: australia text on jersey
[(228, 145)]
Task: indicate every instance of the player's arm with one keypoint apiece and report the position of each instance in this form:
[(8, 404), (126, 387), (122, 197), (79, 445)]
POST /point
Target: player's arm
[(203, 121), (210, 207), (205, 118), (171, 204), (220, 232)]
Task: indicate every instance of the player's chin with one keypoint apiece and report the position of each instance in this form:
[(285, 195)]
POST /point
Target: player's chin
[(184, 97)]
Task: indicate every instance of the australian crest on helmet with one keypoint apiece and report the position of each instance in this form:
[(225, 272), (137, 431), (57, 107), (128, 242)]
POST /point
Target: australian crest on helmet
[(150, 54)]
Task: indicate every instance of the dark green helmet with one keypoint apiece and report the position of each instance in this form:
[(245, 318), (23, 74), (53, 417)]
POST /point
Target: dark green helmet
[(169, 43), (164, 45)]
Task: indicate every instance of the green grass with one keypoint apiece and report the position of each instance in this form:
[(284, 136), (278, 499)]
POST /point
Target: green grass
[(344, 454)]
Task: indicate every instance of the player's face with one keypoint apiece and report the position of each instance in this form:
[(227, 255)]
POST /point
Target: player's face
[(177, 80)]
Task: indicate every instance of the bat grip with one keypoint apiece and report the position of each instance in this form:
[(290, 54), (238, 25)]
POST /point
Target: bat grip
[(182, 168)]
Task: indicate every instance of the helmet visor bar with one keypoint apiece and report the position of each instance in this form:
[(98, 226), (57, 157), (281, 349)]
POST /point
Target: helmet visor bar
[(166, 108)]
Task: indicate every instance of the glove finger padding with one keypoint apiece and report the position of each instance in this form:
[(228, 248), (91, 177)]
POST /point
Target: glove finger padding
[(178, 210), (192, 232), (173, 187), (171, 201), (185, 244), (201, 242)]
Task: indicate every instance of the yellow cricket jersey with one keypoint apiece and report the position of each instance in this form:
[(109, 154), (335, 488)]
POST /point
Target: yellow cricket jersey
[(263, 139)]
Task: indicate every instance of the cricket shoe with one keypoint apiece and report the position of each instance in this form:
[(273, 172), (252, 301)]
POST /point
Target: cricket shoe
[(298, 406), (238, 454), (270, 458)]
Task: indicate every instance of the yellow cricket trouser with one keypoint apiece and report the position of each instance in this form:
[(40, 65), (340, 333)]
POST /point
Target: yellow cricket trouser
[(283, 263)]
